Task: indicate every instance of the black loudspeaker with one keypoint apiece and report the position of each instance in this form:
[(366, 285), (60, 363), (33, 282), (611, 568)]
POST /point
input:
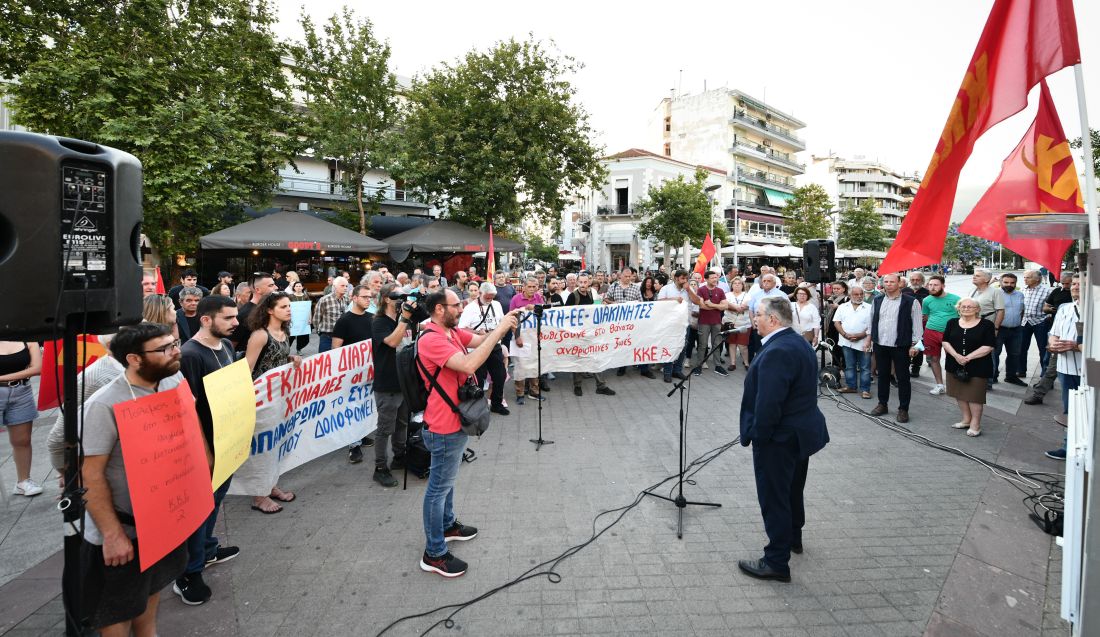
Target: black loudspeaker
[(819, 260), (70, 231)]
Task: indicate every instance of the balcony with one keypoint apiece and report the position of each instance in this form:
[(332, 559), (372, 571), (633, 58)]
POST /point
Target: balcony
[(615, 209), (761, 178), (763, 153), (295, 185), (773, 131), (761, 205)]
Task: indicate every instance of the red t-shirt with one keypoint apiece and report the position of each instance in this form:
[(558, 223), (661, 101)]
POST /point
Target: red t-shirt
[(435, 349), (711, 317)]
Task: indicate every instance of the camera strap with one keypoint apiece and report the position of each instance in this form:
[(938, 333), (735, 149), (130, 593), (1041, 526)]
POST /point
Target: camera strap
[(433, 380)]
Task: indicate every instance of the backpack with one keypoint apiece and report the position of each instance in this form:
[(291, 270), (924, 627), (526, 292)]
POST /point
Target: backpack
[(408, 376)]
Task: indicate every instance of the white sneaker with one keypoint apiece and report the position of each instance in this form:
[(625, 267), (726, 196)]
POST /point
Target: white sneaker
[(28, 488), (937, 390), (705, 366)]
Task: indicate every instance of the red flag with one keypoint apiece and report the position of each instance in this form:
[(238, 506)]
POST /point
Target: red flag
[(1039, 176), (584, 265), (705, 255), (89, 349), (490, 258), (160, 282), (1023, 42)]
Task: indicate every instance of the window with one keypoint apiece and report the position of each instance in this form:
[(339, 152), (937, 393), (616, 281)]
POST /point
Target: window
[(668, 124), (668, 149)]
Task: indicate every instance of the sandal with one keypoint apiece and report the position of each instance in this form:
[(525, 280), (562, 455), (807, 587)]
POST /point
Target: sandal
[(961, 425), (282, 496), (258, 507), (973, 433)]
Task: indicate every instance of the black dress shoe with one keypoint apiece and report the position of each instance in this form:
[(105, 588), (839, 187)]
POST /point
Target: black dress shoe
[(621, 372), (577, 391), (797, 548), (1033, 400), (499, 409), (647, 373), (1012, 380), (760, 570)]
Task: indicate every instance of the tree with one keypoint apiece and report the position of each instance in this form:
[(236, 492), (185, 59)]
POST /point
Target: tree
[(496, 137), (807, 214), (351, 100), (537, 248), (195, 89), (679, 211), (964, 248), (861, 227), (1094, 135)]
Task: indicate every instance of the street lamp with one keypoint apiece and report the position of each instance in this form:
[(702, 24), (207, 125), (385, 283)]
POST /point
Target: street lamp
[(710, 209)]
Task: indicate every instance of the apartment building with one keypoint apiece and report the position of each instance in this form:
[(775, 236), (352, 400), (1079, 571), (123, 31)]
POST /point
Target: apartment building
[(602, 224), (754, 143), (850, 182)]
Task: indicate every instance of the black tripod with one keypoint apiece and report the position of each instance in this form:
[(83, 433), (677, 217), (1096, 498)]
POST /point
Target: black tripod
[(539, 442), (680, 501)]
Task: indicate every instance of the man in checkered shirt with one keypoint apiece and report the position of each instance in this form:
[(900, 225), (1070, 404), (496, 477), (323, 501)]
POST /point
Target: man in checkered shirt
[(621, 291), (328, 310), (1035, 323)]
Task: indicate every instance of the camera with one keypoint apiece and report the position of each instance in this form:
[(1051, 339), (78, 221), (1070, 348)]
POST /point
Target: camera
[(401, 296), (470, 392)]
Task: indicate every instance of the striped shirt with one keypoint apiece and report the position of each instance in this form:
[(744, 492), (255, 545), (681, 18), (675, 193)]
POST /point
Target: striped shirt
[(1065, 328)]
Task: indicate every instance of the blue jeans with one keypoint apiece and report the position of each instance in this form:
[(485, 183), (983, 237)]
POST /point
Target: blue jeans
[(1008, 338), (324, 342), (678, 364), (446, 450), (202, 545), (1039, 333), (857, 358), (1068, 382)]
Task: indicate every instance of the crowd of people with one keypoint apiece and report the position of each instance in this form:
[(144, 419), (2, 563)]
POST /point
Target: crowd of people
[(877, 329)]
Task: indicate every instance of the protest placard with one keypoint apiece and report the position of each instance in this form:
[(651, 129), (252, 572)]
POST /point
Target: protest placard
[(299, 317), (325, 404), (233, 410), (592, 338), (166, 469)]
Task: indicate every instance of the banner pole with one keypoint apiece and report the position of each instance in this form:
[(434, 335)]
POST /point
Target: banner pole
[(1086, 146)]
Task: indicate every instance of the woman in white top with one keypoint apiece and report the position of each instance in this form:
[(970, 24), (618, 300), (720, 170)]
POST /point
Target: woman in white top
[(737, 317), (807, 320)]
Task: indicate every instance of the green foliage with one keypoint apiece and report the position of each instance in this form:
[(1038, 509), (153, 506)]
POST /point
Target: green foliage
[(496, 137), (538, 248), (861, 228), (351, 101), (807, 214), (679, 211), (1094, 136), (965, 248), (195, 89)]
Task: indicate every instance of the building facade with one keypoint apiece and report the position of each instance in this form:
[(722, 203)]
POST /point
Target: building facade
[(602, 224), (754, 143), (849, 182)]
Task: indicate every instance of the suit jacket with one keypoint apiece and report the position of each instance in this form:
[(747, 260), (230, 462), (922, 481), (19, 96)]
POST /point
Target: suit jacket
[(780, 399), (184, 328)]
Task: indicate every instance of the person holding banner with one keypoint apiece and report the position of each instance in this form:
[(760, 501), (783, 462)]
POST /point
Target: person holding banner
[(268, 348), (118, 595), (208, 351), (622, 291), (528, 297), (354, 327), (481, 316), (443, 349)]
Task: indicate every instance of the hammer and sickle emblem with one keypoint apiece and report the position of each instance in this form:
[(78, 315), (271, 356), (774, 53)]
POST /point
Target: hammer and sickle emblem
[(1047, 154)]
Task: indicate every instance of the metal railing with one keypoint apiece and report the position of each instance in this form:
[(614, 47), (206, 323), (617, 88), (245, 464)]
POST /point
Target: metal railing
[(615, 209), (296, 183), (758, 205), (771, 153), (741, 115), (764, 177)]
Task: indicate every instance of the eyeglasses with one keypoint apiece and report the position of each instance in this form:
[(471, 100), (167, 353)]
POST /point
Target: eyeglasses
[(164, 350), (451, 304)]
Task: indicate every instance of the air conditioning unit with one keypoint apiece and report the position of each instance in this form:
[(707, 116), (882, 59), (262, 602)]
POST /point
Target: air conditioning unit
[(303, 206)]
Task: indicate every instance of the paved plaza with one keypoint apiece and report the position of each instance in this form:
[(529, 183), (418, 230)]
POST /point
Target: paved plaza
[(900, 539)]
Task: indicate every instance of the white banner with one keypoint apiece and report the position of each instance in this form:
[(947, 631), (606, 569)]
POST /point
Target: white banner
[(324, 405), (592, 338)]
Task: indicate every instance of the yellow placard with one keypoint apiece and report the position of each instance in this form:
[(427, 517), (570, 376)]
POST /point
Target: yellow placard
[(233, 410)]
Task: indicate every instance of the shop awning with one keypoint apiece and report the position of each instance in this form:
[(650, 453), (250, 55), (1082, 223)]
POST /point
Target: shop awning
[(618, 233), (777, 198), (291, 231), (446, 236)]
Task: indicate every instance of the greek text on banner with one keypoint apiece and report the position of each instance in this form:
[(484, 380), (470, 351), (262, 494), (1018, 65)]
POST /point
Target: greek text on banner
[(592, 338), (324, 405)]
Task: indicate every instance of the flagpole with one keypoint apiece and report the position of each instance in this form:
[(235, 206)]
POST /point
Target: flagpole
[(1086, 146)]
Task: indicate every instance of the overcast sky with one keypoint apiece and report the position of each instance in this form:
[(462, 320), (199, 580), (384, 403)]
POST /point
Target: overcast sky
[(869, 77)]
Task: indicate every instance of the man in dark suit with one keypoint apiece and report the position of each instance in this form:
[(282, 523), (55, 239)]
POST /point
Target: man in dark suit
[(779, 416)]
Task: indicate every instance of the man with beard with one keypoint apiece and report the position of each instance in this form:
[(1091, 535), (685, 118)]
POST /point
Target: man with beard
[(1011, 333), (937, 308), (208, 351), (118, 596), (261, 285), (444, 352), (582, 295), (916, 288)]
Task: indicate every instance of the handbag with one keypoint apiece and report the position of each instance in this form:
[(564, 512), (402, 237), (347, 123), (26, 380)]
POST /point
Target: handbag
[(961, 374), (472, 408)]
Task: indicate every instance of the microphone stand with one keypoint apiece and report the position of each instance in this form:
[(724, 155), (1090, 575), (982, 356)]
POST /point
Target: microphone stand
[(680, 501), (539, 442)]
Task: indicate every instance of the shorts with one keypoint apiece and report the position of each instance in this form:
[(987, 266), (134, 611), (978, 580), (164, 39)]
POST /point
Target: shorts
[(114, 594), (933, 343), (17, 405), (738, 338)]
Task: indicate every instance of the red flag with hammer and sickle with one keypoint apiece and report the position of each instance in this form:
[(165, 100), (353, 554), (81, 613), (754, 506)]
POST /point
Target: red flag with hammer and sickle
[(1039, 176)]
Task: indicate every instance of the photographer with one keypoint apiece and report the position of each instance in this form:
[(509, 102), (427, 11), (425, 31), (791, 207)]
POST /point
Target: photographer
[(391, 323), (443, 350), (481, 316)]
